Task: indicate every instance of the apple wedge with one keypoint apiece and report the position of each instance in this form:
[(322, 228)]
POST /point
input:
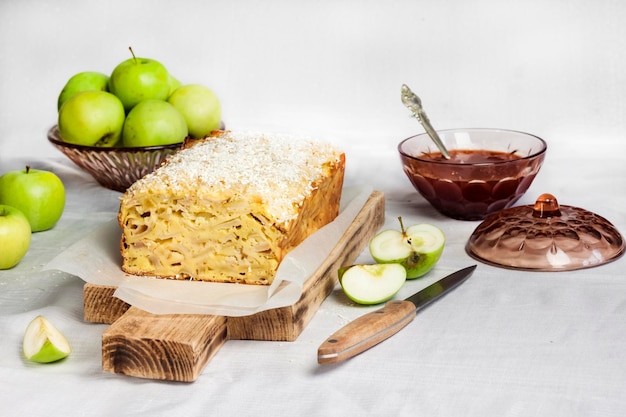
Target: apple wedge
[(372, 284), (418, 248), (43, 342)]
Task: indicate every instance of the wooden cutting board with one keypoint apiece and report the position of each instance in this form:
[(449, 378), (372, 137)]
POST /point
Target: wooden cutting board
[(177, 347)]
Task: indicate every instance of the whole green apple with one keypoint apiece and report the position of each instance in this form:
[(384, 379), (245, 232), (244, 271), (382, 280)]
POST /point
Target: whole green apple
[(174, 84), (38, 194), (199, 106), (153, 123), (14, 236), (83, 81), (139, 79), (92, 118)]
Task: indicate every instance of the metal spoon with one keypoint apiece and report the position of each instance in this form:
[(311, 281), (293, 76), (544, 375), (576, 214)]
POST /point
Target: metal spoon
[(413, 103)]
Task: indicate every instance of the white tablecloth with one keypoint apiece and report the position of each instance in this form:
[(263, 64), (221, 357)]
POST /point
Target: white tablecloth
[(505, 343)]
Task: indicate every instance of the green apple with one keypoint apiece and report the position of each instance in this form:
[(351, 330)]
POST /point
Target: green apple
[(417, 248), (43, 342), (199, 106), (92, 118), (174, 84), (138, 79), (14, 236), (83, 81), (38, 194), (372, 284), (153, 123)]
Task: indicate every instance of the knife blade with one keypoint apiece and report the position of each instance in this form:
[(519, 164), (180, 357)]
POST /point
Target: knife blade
[(374, 327)]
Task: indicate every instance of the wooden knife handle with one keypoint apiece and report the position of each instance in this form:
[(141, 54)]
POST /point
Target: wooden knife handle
[(366, 331)]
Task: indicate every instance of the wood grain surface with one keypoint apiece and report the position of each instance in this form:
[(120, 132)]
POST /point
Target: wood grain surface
[(177, 347)]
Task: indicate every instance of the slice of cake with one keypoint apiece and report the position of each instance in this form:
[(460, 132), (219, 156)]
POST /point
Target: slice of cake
[(228, 207)]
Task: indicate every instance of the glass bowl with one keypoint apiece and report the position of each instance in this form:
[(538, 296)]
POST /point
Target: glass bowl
[(489, 171), (113, 168), (545, 237)]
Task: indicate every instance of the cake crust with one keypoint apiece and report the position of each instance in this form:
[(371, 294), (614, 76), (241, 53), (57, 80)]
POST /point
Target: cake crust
[(229, 207)]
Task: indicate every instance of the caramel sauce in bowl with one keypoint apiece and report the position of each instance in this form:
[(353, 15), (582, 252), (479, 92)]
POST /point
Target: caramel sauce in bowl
[(488, 170)]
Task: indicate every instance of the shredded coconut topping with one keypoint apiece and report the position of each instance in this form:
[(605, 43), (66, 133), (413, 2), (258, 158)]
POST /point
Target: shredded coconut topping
[(276, 169)]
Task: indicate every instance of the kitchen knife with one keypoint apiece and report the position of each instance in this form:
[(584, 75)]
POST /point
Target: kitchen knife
[(372, 328)]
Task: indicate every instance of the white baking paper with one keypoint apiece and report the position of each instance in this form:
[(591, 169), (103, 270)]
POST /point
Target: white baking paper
[(96, 259)]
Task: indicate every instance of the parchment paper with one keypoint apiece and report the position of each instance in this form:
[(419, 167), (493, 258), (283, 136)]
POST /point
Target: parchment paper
[(96, 259)]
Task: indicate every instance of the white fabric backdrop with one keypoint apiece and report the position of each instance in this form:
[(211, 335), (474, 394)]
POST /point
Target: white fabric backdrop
[(506, 343)]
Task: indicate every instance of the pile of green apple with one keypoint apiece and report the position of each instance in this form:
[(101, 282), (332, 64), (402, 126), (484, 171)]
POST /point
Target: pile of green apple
[(140, 104), (31, 200), (400, 255)]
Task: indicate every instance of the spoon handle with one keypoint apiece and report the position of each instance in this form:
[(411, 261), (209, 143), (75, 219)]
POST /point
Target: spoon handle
[(413, 103)]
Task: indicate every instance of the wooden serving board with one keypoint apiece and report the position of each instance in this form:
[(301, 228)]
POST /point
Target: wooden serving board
[(177, 347)]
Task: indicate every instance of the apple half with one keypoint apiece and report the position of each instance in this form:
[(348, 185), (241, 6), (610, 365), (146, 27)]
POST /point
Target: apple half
[(418, 248), (43, 342), (372, 284)]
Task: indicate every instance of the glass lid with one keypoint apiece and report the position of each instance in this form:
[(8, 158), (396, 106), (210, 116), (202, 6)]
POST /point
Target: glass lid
[(545, 237)]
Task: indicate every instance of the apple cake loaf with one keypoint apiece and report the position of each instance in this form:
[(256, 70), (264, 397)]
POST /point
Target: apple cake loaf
[(229, 207)]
